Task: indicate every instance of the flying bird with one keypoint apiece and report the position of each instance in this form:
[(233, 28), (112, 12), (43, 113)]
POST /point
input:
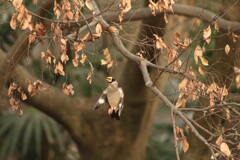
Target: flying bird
[(113, 96)]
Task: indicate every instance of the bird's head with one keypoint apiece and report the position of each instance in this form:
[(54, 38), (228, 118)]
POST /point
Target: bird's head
[(110, 79)]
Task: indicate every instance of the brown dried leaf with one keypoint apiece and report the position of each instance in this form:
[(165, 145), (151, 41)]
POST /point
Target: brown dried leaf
[(98, 29), (23, 96), (201, 70), (110, 64), (103, 62), (197, 53), (228, 115), (31, 89), (238, 81), (90, 74), (64, 58), (225, 149), (87, 37), (89, 5), (59, 69), (75, 62), (83, 58), (68, 89), (69, 15), (185, 145), (204, 61), (219, 140), (236, 69), (13, 22), (227, 49), (216, 27), (125, 6), (17, 3), (25, 24), (179, 103), (153, 7), (159, 42), (183, 83), (12, 101), (32, 37), (78, 46), (207, 34)]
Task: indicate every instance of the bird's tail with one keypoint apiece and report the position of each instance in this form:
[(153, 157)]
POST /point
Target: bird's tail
[(115, 115)]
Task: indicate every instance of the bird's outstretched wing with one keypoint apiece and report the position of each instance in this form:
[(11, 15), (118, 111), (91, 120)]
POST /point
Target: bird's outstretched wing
[(102, 99), (120, 104)]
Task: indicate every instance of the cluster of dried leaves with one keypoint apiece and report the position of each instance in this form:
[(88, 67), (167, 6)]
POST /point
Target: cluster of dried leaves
[(182, 137), (21, 18), (124, 6), (161, 6), (16, 95)]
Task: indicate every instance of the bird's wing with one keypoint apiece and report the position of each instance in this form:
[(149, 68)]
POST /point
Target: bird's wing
[(102, 99), (120, 104)]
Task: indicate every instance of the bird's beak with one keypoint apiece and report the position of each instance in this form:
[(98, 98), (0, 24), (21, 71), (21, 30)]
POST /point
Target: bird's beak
[(109, 79)]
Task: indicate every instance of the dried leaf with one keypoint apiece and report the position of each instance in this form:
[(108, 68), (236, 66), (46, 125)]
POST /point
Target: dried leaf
[(179, 103), (183, 84), (227, 49), (238, 81), (89, 5), (12, 101), (201, 70), (69, 15), (219, 140), (185, 145), (90, 74), (103, 62), (125, 6), (13, 22), (228, 115), (236, 69), (68, 89), (110, 64), (159, 42), (59, 69), (207, 34), (31, 89), (216, 27), (99, 28), (197, 53), (78, 46), (23, 96), (225, 149), (75, 62), (204, 61), (83, 58), (17, 3)]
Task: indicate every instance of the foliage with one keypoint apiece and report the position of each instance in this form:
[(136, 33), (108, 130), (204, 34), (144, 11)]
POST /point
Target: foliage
[(24, 137)]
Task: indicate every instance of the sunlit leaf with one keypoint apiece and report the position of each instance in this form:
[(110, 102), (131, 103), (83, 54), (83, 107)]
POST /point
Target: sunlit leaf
[(227, 49), (225, 149), (185, 145)]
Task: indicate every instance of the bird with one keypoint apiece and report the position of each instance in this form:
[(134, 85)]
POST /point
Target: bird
[(113, 96)]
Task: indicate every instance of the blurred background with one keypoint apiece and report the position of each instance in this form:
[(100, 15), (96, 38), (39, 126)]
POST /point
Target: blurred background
[(37, 136)]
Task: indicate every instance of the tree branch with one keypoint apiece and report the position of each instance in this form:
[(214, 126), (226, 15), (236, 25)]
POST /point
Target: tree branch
[(143, 67)]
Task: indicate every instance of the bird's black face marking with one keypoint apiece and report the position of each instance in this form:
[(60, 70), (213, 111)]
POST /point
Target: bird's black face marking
[(113, 79)]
